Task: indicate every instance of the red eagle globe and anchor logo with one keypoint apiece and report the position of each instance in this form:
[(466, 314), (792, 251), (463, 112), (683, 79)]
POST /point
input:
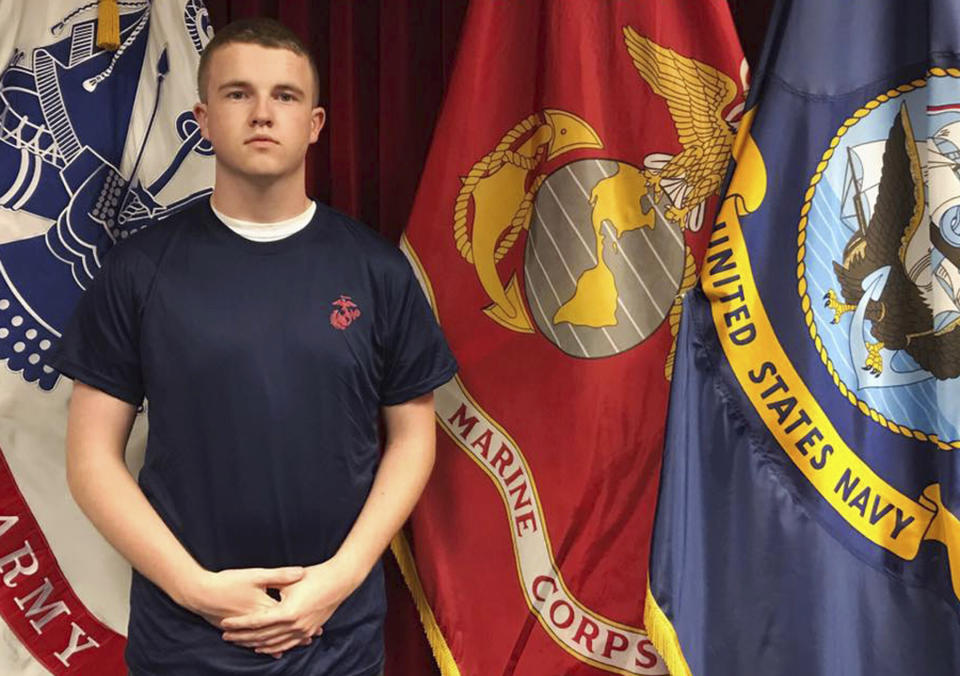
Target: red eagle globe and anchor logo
[(344, 314)]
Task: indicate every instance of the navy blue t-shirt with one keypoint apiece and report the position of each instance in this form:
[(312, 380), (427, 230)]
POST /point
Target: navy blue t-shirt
[(264, 365)]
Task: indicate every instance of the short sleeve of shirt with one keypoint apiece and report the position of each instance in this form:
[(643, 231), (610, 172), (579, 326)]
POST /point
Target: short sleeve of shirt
[(100, 346), (418, 359)]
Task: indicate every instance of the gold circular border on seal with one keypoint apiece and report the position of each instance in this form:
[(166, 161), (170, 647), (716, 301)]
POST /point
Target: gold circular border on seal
[(863, 407)]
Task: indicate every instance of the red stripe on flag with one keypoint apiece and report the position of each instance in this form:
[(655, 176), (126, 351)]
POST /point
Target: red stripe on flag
[(947, 108), (37, 601)]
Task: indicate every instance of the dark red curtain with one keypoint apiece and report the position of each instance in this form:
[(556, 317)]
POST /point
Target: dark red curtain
[(384, 66)]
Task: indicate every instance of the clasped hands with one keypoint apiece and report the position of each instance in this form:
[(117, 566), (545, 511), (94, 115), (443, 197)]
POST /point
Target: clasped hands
[(237, 602)]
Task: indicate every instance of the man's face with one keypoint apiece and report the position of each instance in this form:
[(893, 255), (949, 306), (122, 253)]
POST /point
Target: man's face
[(259, 112)]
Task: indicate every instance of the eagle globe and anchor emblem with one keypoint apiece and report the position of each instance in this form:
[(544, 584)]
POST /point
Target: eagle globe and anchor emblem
[(881, 249), (603, 263), (605, 260)]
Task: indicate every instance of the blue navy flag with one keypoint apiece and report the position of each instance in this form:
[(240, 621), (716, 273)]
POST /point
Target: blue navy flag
[(808, 516), (94, 145)]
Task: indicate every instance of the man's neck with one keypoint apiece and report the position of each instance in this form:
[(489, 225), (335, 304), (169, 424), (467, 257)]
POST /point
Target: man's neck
[(268, 201)]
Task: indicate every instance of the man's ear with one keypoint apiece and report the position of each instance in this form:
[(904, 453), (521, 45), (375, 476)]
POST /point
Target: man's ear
[(200, 113), (318, 117)]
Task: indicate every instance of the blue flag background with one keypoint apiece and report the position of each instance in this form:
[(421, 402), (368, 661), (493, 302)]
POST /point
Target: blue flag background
[(807, 521)]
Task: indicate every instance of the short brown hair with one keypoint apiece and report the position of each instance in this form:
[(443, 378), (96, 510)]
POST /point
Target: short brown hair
[(258, 31)]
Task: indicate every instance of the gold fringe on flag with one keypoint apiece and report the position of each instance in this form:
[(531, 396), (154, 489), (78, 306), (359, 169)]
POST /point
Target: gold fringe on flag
[(108, 25), (438, 644), (664, 637)]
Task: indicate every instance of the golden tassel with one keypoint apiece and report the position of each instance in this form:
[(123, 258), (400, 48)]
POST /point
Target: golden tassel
[(108, 25), (435, 637), (663, 636)]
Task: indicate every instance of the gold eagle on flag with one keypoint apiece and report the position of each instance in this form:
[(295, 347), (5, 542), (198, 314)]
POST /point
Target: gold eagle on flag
[(697, 96)]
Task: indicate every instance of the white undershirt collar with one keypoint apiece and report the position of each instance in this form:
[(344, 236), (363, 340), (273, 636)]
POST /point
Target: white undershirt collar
[(267, 232)]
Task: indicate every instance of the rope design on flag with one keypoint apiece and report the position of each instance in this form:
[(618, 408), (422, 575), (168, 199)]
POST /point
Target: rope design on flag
[(91, 83), (487, 165), (520, 220)]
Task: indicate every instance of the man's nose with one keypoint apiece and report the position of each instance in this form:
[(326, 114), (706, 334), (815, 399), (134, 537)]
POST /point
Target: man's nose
[(262, 113)]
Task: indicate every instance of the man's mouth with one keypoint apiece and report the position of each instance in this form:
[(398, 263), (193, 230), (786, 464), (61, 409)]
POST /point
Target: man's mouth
[(261, 139)]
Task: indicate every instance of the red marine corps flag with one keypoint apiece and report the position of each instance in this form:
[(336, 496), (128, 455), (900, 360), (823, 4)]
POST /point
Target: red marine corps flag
[(559, 219)]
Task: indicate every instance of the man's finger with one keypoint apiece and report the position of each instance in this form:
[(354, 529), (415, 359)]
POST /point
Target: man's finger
[(277, 577), (256, 636), (303, 640), (258, 620), (267, 642), (277, 649)]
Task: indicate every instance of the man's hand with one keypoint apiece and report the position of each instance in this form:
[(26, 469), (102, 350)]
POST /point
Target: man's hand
[(228, 593), (303, 609), (306, 605)]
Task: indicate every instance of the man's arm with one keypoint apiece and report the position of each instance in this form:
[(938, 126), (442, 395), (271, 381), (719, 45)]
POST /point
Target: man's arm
[(98, 427), (306, 605), (404, 470)]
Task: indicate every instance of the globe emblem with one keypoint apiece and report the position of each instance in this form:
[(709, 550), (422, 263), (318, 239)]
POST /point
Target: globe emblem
[(602, 266)]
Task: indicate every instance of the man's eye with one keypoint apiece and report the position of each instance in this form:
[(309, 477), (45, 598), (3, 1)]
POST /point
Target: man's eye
[(235, 95), (286, 97)]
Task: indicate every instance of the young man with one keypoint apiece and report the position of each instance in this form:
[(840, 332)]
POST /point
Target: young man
[(268, 333)]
